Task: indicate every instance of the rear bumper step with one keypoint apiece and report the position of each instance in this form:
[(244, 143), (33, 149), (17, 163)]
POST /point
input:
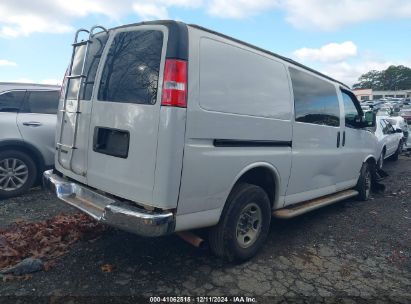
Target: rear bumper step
[(311, 205), (109, 211)]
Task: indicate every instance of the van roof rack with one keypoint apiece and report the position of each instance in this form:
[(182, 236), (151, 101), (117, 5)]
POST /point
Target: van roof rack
[(81, 77)]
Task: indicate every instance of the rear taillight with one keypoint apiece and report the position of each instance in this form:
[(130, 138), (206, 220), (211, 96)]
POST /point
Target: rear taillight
[(175, 84)]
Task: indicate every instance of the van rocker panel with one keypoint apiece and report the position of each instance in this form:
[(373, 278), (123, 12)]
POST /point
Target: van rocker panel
[(108, 210)]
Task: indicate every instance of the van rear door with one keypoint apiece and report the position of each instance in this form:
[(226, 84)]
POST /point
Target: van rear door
[(125, 113), (72, 134)]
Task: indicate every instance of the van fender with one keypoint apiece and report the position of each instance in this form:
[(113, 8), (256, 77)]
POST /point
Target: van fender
[(370, 157), (271, 168), (208, 218)]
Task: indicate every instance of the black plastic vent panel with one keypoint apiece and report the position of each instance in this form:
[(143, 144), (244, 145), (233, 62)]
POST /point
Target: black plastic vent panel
[(112, 142)]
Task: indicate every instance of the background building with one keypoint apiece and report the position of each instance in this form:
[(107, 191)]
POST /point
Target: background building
[(370, 94)]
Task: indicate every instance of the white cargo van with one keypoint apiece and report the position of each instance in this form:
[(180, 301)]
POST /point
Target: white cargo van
[(168, 127)]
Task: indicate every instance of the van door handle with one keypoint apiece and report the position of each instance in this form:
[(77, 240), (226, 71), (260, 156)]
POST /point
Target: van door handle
[(338, 139), (32, 124), (343, 141)]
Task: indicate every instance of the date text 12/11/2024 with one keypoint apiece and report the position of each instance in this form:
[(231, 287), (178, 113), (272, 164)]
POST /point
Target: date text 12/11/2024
[(203, 299)]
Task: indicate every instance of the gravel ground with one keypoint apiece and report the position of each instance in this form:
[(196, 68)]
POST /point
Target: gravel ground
[(34, 206), (358, 251)]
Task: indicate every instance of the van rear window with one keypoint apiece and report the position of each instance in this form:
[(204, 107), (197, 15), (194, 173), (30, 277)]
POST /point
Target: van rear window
[(94, 52), (132, 68)]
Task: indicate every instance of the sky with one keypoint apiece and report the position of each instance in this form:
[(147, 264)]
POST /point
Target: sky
[(341, 38)]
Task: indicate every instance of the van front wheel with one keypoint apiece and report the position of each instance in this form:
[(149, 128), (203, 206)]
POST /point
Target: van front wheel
[(364, 182), (244, 224)]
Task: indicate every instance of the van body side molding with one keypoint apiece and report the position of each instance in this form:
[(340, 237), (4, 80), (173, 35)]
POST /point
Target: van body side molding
[(251, 143)]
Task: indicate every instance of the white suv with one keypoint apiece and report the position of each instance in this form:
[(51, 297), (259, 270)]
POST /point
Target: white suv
[(27, 128)]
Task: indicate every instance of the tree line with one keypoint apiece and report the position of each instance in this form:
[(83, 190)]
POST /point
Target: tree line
[(392, 79)]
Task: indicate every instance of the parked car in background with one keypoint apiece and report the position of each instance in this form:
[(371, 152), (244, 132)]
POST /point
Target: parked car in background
[(384, 111), (406, 114), (390, 140), (399, 122), (376, 104), (27, 134), (365, 108), (192, 129), (386, 105)]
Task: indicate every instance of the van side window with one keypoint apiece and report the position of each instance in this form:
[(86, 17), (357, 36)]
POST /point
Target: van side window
[(350, 111), (11, 101), (132, 68), (315, 100), (43, 102)]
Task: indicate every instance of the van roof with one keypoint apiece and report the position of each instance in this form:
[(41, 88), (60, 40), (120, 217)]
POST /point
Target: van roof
[(176, 27), (270, 53)]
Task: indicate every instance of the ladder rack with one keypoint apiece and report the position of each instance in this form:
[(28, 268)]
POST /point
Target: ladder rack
[(82, 76)]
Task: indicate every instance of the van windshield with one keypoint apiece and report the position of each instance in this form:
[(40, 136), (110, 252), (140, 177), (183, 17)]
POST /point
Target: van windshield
[(95, 49)]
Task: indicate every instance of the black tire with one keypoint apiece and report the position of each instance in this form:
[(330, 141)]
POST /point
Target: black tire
[(398, 151), (365, 182), (380, 163), (223, 238), (31, 177)]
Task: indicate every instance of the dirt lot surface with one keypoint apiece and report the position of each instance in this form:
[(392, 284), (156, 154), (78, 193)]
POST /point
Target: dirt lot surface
[(352, 250)]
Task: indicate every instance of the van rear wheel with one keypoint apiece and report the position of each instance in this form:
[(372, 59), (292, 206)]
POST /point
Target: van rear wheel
[(244, 224)]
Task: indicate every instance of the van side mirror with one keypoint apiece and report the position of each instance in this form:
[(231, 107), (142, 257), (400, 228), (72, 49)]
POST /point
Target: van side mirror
[(369, 119), (398, 130)]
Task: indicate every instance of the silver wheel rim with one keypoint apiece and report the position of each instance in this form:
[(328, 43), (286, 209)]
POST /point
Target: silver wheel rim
[(367, 183), (381, 160), (249, 225), (13, 174)]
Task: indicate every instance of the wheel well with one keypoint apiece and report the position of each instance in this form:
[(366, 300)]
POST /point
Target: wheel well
[(262, 177), (384, 149), (371, 161), (30, 151)]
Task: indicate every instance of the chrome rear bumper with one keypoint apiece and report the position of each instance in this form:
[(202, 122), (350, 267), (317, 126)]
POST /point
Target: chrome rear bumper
[(125, 216)]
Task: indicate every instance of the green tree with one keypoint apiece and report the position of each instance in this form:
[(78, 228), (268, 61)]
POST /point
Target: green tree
[(369, 80), (393, 78)]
